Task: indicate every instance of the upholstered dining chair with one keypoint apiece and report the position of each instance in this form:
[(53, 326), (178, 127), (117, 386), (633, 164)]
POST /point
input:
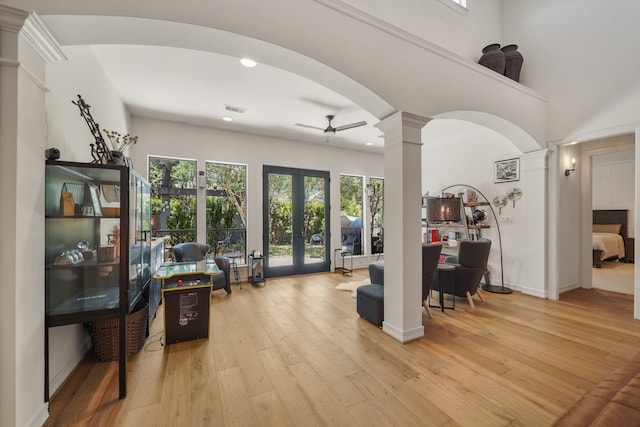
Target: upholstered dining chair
[(430, 258), (470, 265), (190, 251)]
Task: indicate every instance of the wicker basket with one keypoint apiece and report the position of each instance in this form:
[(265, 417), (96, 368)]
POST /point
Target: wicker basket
[(105, 335)]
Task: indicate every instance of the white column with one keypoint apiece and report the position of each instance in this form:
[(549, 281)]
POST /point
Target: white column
[(11, 21), (25, 47), (402, 220), (534, 200)]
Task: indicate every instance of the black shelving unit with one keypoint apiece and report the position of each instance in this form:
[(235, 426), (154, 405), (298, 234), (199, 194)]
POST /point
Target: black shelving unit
[(97, 249)]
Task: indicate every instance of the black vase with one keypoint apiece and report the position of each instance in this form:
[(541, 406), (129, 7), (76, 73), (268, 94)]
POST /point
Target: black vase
[(493, 58), (513, 62)]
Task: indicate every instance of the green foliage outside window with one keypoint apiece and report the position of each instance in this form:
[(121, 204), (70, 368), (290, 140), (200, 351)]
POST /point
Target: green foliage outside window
[(173, 198), (351, 195), (226, 206)]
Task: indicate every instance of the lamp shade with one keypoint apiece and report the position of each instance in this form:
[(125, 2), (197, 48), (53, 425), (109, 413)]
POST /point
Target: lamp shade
[(443, 209)]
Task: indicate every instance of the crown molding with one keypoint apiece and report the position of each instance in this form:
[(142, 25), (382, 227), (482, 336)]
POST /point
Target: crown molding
[(36, 33), (11, 18)]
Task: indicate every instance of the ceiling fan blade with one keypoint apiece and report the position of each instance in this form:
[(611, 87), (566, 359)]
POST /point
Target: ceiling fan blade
[(350, 126), (308, 126)]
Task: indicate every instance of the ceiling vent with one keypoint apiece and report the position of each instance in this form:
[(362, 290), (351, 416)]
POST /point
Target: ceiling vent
[(234, 109)]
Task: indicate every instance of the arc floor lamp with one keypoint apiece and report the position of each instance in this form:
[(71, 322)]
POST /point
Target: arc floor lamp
[(487, 287)]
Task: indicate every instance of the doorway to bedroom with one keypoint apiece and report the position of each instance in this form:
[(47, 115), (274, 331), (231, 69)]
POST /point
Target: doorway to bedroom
[(613, 188)]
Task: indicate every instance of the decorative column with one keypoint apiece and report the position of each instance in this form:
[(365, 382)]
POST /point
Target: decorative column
[(402, 224), (11, 21), (25, 47)]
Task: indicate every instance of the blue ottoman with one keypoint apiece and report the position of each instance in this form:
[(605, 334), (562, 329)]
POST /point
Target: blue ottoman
[(370, 303)]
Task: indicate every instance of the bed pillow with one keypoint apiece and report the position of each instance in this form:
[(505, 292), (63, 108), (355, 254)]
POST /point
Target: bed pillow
[(607, 228)]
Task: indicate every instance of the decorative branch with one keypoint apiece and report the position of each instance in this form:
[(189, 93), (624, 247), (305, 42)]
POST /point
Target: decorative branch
[(99, 151)]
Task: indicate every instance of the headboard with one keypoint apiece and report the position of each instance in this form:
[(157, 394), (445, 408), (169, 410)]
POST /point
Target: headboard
[(612, 216)]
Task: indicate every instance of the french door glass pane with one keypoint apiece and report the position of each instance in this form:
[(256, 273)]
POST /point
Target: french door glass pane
[(280, 220), (314, 219)]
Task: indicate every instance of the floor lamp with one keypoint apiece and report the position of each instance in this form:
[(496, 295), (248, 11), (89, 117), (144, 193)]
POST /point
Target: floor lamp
[(487, 287)]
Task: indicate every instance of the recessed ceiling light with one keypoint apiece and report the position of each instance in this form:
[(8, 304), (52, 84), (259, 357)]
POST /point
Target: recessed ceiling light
[(369, 143), (227, 119), (248, 62)]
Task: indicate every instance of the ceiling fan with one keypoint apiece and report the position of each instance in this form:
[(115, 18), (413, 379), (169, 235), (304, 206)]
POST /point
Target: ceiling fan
[(330, 130)]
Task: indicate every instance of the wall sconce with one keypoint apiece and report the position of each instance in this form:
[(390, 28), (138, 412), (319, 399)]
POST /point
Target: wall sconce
[(568, 172), (202, 180)]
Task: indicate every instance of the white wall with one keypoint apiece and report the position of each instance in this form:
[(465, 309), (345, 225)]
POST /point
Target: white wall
[(613, 183), (68, 131), (81, 75), (457, 152), (578, 54), (570, 216)]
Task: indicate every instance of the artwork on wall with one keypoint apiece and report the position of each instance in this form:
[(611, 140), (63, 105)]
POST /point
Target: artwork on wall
[(507, 170)]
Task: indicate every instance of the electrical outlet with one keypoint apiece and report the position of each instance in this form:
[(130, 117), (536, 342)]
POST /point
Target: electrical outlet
[(507, 219)]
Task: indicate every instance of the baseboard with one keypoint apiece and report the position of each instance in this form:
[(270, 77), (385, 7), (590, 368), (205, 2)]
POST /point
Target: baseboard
[(568, 287), (40, 417), (403, 336), (540, 293), (59, 379)]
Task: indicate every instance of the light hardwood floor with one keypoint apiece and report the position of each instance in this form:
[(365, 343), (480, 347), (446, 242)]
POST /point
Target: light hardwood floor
[(295, 353)]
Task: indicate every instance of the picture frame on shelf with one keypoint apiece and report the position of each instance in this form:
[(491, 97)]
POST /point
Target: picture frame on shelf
[(94, 199), (507, 170)]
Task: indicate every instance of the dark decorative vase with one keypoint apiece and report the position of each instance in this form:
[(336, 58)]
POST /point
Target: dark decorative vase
[(493, 58), (513, 62), (119, 158)]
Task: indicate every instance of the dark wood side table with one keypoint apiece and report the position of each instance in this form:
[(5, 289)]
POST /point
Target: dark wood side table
[(445, 272), (629, 251)]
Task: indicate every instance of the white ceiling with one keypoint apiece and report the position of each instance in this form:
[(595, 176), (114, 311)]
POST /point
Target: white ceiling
[(194, 86)]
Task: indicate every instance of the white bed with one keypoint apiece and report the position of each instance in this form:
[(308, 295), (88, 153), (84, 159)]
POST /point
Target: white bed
[(609, 230), (611, 245)]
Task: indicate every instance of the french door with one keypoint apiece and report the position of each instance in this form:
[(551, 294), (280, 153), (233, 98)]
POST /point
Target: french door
[(296, 221)]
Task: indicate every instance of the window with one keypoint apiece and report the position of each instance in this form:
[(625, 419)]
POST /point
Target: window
[(173, 199), (351, 212), (227, 209), (375, 193)]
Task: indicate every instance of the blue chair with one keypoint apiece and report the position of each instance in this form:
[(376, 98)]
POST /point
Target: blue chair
[(370, 298)]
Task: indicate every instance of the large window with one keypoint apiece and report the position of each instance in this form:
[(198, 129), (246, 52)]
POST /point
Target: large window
[(227, 209), (351, 190), (375, 193), (173, 199)]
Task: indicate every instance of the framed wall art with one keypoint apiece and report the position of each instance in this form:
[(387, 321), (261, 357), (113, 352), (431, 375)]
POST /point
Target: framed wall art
[(507, 170)]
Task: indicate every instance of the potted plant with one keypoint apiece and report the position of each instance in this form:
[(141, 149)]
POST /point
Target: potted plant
[(157, 208)]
